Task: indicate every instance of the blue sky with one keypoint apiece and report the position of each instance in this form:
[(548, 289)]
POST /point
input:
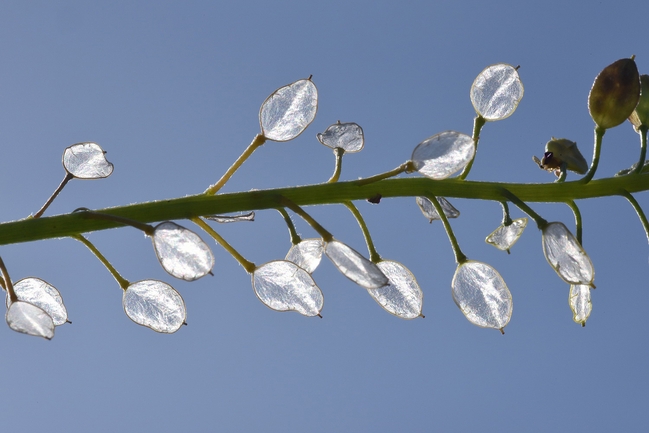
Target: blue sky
[(172, 91)]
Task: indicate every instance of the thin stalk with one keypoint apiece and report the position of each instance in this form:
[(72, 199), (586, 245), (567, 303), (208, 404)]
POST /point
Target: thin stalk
[(638, 210), (540, 222), (68, 177), (295, 237), (339, 152), (249, 266), (324, 234), (256, 142), (643, 148), (407, 167), (123, 282), (9, 285), (507, 220), (599, 135), (478, 123), (578, 225), (146, 228), (459, 255), (374, 255)]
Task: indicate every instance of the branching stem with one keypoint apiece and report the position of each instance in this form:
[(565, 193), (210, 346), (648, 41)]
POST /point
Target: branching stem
[(460, 258), (374, 256), (256, 142), (123, 282)]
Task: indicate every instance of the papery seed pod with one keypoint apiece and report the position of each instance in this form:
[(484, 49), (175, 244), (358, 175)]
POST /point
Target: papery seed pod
[(640, 115), (615, 93), (559, 151), (288, 111)]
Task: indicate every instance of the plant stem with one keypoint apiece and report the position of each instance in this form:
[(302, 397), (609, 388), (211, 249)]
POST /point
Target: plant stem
[(8, 285), (459, 255), (326, 236), (578, 226), (407, 167), (33, 229), (256, 142), (249, 266), (478, 123), (68, 177), (599, 134), (146, 228), (643, 148), (507, 220), (295, 237), (638, 210), (374, 256), (123, 283), (338, 152), (540, 222)]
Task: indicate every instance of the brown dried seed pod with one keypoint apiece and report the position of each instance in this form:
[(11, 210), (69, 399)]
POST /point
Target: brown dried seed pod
[(615, 93)]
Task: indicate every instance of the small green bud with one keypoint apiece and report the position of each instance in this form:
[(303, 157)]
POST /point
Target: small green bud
[(615, 93), (640, 115), (559, 151)]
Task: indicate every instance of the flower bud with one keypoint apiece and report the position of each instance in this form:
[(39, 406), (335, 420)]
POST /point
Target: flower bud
[(615, 93), (640, 115), (559, 151)]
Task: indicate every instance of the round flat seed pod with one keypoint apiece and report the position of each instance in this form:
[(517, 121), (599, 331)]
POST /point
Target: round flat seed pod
[(156, 305), (496, 92), (443, 154), (284, 286), (86, 161), (288, 111)]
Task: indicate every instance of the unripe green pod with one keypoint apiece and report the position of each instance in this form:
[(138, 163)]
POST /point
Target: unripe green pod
[(559, 151), (615, 93), (640, 115)]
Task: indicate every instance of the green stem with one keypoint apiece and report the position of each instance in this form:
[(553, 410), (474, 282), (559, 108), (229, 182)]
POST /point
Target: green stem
[(459, 255), (326, 236), (339, 152), (478, 123), (256, 142), (9, 285), (146, 228), (599, 134), (123, 283), (578, 224), (407, 167), (295, 237), (34, 229), (540, 222), (68, 177), (249, 266), (643, 148), (507, 220), (638, 210), (374, 256)]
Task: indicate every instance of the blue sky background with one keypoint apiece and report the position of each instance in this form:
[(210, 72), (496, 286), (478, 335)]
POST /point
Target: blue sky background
[(172, 91)]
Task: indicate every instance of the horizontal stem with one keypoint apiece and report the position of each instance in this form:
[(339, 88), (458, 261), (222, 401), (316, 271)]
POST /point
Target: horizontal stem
[(33, 229)]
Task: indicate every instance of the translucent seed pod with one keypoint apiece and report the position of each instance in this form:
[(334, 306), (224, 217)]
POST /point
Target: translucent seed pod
[(156, 305), (402, 296), (443, 154), (43, 295), (566, 256), (496, 92), (580, 304), (348, 136), (306, 254), (482, 295), (181, 252), (284, 286), (428, 209), (354, 266), (615, 93), (288, 111), (86, 161), (504, 237), (29, 319)]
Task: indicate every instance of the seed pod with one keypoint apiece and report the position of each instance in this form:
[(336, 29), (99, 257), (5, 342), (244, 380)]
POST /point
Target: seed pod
[(615, 93), (558, 151), (640, 115)]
